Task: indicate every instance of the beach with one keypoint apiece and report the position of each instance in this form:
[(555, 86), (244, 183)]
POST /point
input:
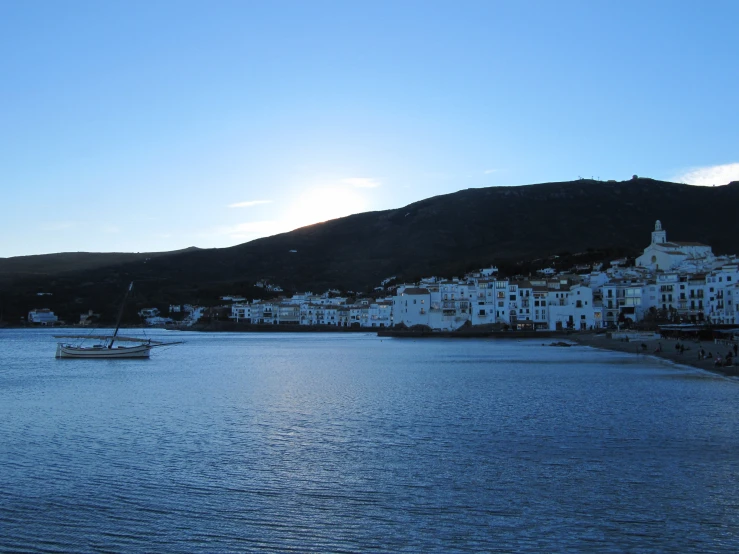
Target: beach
[(668, 351)]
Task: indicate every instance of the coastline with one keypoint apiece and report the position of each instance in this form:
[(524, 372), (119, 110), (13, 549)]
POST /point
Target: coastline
[(688, 358)]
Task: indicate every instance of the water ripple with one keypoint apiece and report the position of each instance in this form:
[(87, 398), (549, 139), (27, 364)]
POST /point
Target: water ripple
[(347, 443)]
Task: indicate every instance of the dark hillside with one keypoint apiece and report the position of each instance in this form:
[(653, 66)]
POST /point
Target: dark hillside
[(444, 235), (51, 264), (447, 234)]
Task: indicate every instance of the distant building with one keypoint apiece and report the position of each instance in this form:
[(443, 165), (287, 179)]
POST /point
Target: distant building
[(232, 298), (42, 317), (156, 320), (88, 318)]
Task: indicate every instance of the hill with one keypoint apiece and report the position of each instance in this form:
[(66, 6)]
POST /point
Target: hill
[(443, 235), (19, 267)]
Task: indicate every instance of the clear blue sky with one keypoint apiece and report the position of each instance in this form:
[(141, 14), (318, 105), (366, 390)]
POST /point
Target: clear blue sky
[(157, 125)]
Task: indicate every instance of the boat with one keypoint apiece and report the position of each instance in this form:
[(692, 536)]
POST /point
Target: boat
[(107, 345)]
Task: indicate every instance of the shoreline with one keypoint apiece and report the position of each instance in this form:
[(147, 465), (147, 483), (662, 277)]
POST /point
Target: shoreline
[(687, 358), (582, 338)]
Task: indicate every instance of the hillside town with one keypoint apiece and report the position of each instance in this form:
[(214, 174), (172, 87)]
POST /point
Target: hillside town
[(679, 282)]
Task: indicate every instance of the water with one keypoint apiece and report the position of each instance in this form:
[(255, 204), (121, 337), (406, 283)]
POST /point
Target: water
[(347, 443)]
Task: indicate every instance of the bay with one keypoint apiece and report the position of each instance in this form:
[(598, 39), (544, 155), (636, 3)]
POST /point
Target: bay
[(349, 443)]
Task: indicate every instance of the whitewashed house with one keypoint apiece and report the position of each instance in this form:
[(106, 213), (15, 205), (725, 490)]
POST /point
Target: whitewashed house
[(482, 304), (43, 316), (241, 313), (719, 293), (523, 308), (288, 314), (571, 309), (540, 305), (411, 306), (380, 314)]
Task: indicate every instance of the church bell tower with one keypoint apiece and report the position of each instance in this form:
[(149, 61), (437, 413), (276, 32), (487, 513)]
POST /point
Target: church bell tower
[(658, 235)]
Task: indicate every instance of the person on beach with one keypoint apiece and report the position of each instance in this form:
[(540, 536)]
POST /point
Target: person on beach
[(735, 350)]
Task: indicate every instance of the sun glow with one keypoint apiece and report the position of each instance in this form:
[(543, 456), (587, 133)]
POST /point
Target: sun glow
[(323, 203), (307, 207)]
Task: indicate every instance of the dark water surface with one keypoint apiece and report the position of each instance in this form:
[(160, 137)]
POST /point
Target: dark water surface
[(348, 443)]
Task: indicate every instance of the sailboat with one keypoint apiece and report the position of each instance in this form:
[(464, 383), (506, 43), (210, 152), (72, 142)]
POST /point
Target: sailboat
[(107, 345)]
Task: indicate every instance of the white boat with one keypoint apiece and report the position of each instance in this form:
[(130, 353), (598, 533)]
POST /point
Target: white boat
[(106, 346)]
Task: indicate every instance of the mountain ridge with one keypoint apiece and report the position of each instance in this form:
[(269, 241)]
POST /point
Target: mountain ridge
[(443, 235)]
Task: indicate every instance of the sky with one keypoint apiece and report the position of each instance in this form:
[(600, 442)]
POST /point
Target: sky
[(141, 126)]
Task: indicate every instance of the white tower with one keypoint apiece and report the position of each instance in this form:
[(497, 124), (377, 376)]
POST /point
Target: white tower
[(658, 235)]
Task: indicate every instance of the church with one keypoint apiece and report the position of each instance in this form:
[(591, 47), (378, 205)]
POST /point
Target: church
[(664, 255)]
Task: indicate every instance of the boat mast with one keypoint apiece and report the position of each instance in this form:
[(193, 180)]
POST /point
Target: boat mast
[(120, 315)]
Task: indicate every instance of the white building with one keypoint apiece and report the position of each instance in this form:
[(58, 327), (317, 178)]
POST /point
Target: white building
[(411, 306), (571, 309), (720, 291), (43, 316), (380, 314), (664, 255)]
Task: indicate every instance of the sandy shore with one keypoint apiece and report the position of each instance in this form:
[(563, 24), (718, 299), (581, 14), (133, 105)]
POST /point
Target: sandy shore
[(669, 352)]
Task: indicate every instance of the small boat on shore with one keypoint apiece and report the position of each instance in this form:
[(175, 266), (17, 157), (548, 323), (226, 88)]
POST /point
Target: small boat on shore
[(106, 345)]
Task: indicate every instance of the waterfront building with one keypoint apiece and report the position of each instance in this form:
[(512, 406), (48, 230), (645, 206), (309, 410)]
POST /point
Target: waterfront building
[(43, 316), (720, 294), (411, 307), (571, 308), (380, 314)]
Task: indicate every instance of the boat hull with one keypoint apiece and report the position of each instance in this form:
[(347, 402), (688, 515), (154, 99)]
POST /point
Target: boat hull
[(68, 351)]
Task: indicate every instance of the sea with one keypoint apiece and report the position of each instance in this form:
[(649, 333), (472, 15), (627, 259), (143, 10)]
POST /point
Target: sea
[(348, 442)]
